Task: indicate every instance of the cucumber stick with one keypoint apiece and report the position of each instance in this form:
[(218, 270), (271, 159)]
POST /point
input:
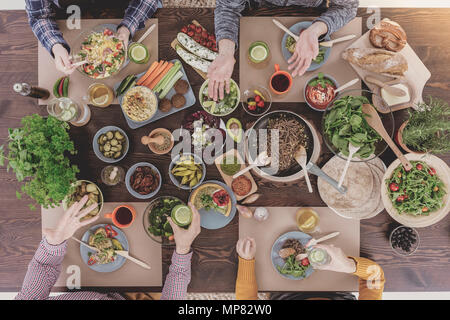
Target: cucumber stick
[(161, 85), (170, 84)]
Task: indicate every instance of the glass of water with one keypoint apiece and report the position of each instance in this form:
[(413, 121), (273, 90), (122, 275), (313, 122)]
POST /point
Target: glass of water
[(64, 109)]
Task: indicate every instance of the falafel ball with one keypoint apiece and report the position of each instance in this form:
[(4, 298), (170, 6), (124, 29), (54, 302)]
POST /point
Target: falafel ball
[(181, 86), (165, 105), (178, 100)]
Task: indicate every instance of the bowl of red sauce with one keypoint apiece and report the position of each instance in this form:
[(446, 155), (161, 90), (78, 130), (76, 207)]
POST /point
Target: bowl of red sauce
[(319, 91)]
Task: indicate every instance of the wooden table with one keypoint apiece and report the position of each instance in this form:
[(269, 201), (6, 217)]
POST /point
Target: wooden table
[(214, 263)]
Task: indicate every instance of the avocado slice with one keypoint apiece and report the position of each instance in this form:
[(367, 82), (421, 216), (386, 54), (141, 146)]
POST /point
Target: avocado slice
[(234, 129)]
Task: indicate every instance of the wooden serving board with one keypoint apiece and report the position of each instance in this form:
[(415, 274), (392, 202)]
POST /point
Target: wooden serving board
[(175, 43), (228, 180), (416, 77)]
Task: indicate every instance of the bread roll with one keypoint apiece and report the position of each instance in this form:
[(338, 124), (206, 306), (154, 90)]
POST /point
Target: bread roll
[(377, 60), (388, 35)]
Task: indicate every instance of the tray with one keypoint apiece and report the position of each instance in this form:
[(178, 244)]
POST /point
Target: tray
[(190, 101), (228, 180), (416, 77)]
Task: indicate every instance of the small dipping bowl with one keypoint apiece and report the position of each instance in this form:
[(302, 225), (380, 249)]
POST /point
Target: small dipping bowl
[(400, 251)]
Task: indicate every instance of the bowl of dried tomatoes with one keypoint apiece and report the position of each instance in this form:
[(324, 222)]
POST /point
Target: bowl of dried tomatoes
[(143, 180)]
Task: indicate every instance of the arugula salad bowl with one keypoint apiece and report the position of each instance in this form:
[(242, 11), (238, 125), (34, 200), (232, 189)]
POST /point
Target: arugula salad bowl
[(343, 122), (420, 197)]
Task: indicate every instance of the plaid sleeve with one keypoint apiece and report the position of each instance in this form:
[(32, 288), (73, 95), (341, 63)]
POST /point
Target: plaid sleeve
[(43, 271), (339, 13), (41, 17), (177, 281), (137, 13)]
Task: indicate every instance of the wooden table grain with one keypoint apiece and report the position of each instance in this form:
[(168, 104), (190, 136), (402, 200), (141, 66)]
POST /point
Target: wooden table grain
[(214, 263)]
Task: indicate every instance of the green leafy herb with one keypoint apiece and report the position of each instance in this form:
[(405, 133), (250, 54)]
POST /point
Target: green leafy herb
[(345, 123), (36, 153), (418, 191), (428, 128), (293, 267), (320, 80)]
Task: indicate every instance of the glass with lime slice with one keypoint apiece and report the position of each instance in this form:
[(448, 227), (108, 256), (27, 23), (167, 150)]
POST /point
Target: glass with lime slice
[(258, 52), (138, 53), (182, 215)]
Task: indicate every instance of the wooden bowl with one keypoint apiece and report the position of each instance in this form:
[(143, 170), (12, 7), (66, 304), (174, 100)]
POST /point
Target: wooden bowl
[(442, 171), (399, 139), (155, 132)]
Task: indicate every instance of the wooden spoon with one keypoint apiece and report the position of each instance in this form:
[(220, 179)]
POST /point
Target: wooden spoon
[(351, 151), (373, 119), (330, 43), (391, 90), (262, 160), (300, 156), (147, 140)]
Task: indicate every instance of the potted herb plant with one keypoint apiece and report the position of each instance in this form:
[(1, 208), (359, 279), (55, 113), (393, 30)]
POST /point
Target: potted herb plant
[(427, 129), (36, 153)]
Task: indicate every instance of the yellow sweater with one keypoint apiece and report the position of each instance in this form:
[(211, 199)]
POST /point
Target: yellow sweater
[(366, 270)]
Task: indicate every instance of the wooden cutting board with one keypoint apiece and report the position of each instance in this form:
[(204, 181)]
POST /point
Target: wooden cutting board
[(416, 77), (175, 43), (228, 180)]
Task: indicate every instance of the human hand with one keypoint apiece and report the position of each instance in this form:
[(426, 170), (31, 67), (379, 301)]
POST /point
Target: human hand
[(246, 248), (339, 262), (306, 48), (185, 237), (124, 34), (62, 59), (220, 70), (70, 222)]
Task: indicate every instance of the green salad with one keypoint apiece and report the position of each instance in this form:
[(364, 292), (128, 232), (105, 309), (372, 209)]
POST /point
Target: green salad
[(159, 226), (417, 192), (221, 107), (345, 123), (290, 46), (293, 267)]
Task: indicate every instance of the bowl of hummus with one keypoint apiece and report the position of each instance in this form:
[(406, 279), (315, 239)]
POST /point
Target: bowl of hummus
[(319, 91), (139, 103)]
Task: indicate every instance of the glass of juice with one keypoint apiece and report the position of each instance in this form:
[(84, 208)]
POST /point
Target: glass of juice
[(259, 54), (307, 220), (64, 109), (318, 257), (100, 95)]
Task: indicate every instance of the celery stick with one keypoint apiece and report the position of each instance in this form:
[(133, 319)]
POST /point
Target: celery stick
[(170, 84), (161, 85)]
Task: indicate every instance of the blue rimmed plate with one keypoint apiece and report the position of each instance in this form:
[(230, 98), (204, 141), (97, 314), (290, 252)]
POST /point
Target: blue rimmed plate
[(277, 261), (118, 260)]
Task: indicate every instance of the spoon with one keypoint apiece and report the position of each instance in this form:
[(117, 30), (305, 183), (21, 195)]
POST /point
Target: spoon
[(345, 86), (391, 90), (300, 157), (373, 119), (351, 151), (261, 161), (147, 140), (282, 27), (330, 43)]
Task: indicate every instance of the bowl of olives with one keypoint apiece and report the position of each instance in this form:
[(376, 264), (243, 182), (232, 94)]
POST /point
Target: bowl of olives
[(110, 144)]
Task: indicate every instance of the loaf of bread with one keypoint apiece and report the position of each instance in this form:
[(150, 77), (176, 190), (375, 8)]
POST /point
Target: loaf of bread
[(388, 35), (377, 60)]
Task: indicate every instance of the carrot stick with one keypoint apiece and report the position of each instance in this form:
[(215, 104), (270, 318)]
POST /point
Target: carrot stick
[(154, 74), (161, 75), (149, 71)]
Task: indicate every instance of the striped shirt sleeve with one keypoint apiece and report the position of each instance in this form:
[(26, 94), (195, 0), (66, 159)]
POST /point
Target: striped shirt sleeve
[(137, 13), (339, 13), (43, 271), (41, 17), (177, 281)]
